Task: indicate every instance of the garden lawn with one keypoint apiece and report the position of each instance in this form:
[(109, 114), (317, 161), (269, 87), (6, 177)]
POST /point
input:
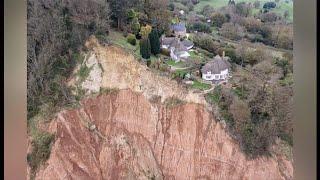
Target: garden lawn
[(200, 85)]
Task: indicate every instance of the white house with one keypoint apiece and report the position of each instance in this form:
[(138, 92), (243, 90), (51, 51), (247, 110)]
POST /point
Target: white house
[(217, 70)]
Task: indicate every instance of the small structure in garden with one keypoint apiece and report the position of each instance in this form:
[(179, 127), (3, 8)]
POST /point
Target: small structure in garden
[(178, 49), (216, 70)]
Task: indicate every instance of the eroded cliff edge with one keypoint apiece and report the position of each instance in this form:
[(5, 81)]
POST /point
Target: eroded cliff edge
[(122, 135)]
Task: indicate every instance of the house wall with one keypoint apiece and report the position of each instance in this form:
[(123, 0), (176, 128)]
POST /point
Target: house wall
[(173, 56), (222, 76), (164, 46)]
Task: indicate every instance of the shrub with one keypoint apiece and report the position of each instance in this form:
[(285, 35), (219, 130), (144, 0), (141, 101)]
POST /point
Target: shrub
[(269, 5), (243, 9), (215, 96), (269, 17), (254, 56), (41, 148), (218, 19), (200, 27), (206, 42), (135, 26), (173, 101), (155, 99), (165, 52), (132, 39), (252, 24), (171, 6)]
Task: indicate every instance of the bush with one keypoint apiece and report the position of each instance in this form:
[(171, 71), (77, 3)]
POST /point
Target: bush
[(218, 19), (173, 101), (254, 56), (132, 39), (206, 42), (171, 6), (200, 27), (269, 17), (269, 5), (41, 148), (165, 52)]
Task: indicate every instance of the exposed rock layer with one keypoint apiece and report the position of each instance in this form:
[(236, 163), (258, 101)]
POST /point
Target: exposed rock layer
[(131, 138), (122, 135)]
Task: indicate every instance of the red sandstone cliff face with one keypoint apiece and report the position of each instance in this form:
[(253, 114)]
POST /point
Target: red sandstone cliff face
[(124, 136)]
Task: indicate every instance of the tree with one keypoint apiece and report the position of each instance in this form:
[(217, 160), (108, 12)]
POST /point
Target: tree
[(218, 19), (256, 4), (243, 9), (158, 14), (269, 17), (232, 31), (252, 24), (145, 31), (154, 42), (240, 112), (55, 31), (145, 48), (119, 11), (207, 10), (286, 14), (135, 25)]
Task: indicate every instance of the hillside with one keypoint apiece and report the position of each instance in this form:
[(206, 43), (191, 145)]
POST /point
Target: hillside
[(123, 134)]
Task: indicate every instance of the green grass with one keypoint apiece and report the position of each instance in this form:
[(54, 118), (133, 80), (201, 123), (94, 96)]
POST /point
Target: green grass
[(282, 6), (200, 85), (196, 56), (41, 145), (287, 81), (214, 97), (241, 93), (213, 3), (117, 38), (84, 72), (179, 73), (173, 63)]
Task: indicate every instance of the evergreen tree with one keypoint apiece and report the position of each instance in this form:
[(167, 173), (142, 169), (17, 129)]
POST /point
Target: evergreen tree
[(145, 48), (154, 42)]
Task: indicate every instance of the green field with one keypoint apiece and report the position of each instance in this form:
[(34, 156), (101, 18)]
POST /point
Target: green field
[(282, 6)]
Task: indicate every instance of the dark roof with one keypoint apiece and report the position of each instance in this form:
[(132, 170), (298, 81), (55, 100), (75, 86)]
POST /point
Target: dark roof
[(216, 65), (178, 46), (187, 43), (167, 40), (178, 27)]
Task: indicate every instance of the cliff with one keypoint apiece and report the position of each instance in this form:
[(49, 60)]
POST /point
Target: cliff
[(124, 135)]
